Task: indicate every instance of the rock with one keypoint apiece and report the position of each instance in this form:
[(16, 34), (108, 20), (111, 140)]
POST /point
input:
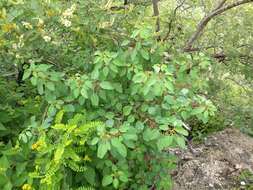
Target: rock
[(217, 164)]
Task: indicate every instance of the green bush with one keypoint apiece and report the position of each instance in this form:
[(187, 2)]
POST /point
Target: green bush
[(92, 155), (15, 108), (232, 93), (109, 69), (200, 130)]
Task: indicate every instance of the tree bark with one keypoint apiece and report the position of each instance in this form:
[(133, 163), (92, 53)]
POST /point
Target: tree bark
[(156, 14), (203, 23)]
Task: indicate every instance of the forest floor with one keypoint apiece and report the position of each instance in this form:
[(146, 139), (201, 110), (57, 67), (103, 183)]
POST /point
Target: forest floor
[(224, 161)]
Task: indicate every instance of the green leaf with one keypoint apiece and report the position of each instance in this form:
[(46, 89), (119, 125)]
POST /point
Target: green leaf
[(69, 108), (184, 115), (139, 77), (58, 153), (81, 100), (125, 42), (123, 177), (146, 89), (164, 142), (105, 71), (170, 86), (59, 126), (114, 68), (94, 99), (76, 92), (106, 85), (21, 168), (34, 81), (127, 110), (145, 54), (118, 87), (2, 127), (135, 33), (120, 148), (180, 141), (50, 86), (50, 96), (90, 176), (107, 180), (109, 123), (4, 163), (95, 74), (164, 127), (8, 186), (84, 92), (145, 33), (198, 110), (94, 141), (51, 110), (40, 87), (115, 183), (58, 117), (70, 153), (23, 137), (150, 134), (181, 130), (152, 110), (103, 147), (130, 137), (27, 73)]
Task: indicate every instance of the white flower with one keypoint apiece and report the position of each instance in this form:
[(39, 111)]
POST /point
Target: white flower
[(47, 38), (68, 13), (243, 183), (21, 37), (73, 7), (40, 22), (65, 22), (20, 41), (18, 56), (27, 25), (56, 43), (15, 46)]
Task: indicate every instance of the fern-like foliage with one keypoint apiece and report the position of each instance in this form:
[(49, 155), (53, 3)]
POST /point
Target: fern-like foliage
[(59, 159), (75, 167), (79, 149), (51, 171), (84, 188)]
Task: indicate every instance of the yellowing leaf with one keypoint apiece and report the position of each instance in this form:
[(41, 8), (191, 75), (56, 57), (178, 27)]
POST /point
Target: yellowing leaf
[(58, 153), (58, 117)]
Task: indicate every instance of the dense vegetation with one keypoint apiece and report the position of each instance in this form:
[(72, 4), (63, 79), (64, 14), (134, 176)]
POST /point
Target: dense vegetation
[(94, 92)]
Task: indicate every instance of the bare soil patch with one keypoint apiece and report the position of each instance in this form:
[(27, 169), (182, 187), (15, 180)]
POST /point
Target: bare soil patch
[(216, 164)]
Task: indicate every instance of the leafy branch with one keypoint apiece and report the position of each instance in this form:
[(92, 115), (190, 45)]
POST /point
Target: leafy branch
[(219, 9)]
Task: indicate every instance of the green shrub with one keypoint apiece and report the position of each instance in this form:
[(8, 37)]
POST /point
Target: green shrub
[(200, 130), (89, 154), (110, 69), (15, 108), (232, 93)]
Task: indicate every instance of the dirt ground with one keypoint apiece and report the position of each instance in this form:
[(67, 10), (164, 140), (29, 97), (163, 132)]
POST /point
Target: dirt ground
[(216, 164)]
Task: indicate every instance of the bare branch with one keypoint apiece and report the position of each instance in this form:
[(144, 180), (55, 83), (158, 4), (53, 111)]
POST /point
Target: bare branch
[(172, 19), (9, 74), (220, 4), (218, 10), (156, 14)]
